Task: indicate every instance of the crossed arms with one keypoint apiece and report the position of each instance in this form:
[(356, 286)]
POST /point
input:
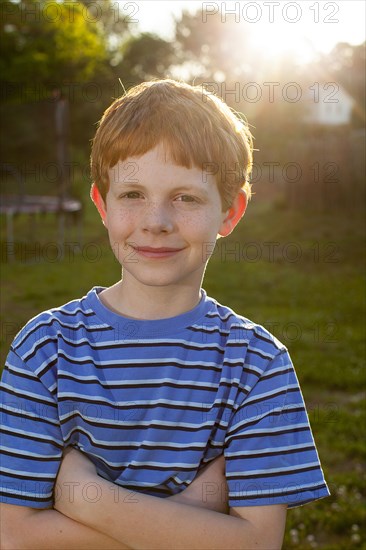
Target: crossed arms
[(95, 514)]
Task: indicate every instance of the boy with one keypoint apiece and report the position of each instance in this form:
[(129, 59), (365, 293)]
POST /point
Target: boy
[(152, 381)]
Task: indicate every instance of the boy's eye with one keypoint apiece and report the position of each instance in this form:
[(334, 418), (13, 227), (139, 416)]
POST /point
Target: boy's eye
[(131, 195), (186, 198)]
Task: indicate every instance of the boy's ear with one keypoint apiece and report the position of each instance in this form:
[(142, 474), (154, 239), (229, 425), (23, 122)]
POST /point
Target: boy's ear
[(234, 214), (97, 199)]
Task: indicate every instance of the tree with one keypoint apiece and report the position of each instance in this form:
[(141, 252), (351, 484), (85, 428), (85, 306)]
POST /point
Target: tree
[(48, 43), (144, 57), (216, 49), (115, 20), (346, 64)]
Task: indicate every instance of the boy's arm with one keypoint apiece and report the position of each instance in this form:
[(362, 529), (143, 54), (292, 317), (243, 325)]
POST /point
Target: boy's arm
[(145, 522), (208, 489), (28, 528), (24, 528)]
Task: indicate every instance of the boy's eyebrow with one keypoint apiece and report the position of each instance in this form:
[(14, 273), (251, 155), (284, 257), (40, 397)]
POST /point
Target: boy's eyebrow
[(179, 187), (190, 189), (128, 181)]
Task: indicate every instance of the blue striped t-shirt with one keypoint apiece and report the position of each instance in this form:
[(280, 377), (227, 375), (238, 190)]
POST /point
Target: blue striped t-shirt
[(152, 402)]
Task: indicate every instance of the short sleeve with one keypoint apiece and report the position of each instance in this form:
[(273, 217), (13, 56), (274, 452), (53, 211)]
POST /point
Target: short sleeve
[(270, 452), (31, 441)]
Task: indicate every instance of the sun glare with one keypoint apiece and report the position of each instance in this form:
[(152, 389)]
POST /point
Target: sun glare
[(277, 43), (301, 30)]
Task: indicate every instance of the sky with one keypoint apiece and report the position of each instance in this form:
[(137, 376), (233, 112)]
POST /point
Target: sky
[(305, 26)]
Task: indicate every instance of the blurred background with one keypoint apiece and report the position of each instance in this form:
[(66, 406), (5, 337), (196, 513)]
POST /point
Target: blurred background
[(296, 72)]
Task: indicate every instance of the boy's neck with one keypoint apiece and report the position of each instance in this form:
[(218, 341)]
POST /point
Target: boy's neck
[(150, 303)]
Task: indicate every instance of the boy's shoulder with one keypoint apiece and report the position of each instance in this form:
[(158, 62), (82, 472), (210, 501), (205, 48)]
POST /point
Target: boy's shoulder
[(242, 329), (47, 324)]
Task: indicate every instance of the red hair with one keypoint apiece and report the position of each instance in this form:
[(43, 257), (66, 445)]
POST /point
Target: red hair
[(196, 128)]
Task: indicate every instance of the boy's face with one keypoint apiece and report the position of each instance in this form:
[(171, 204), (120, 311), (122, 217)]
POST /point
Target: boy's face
[(163, 219)]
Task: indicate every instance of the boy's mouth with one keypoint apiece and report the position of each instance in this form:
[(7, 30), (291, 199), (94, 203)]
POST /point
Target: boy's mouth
[(156, 252)]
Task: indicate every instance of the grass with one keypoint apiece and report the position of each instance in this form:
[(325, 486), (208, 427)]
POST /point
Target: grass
[(298, 274)]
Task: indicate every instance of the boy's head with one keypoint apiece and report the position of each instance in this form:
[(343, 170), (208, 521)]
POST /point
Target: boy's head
[(196, 128)]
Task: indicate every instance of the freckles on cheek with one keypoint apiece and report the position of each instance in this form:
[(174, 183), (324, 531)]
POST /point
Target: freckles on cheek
[(191, 224), (205, 221), (122, 220), (199, 229)]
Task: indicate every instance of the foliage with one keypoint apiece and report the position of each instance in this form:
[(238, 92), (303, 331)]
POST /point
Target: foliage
[(49, 43), (144, 57), (84, 48), (346, 64)]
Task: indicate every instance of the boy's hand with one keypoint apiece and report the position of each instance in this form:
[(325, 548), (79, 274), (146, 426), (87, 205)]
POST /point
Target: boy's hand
[(75, 475), (208, 489)]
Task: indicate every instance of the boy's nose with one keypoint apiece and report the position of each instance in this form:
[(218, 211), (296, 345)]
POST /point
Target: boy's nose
[(157, 219)]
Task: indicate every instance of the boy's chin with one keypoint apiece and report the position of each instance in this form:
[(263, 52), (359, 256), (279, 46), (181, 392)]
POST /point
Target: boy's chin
[(161, 280)]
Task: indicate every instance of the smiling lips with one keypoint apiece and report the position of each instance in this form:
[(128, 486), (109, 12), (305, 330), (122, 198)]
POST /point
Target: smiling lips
[(158, 252)]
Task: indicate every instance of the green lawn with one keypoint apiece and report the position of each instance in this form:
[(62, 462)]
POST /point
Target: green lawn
[(301, 275)]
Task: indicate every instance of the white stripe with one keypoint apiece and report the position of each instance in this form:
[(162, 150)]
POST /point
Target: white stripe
[(29, 373), (114, 344), (47, 338), (285, 490), (272, 431), (265, 396), (47, 438), (26, 473), (130, 443), (267, 450), (147, 484), (279, 471), (63, 309), (122, 423), (169, 464), (136, 483), (211, 328), (151, 463), (26, 414), (259, 350), (11, 491), (237, 381), (46, 319), (224, 317), (80, 325), (46, 363), (137, 381), (257, 417), (22, 393), (162, 361), (243, 326), (136, 402), (278, 369), (246, 364), (180, 481), (28, 453)]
